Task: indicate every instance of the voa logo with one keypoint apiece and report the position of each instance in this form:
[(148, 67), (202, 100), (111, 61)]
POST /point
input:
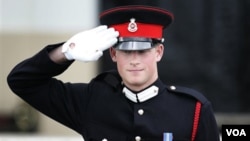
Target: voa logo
[(236, 132)]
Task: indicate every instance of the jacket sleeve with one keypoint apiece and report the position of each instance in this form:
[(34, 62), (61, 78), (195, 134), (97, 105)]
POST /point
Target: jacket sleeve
[(33, 81)]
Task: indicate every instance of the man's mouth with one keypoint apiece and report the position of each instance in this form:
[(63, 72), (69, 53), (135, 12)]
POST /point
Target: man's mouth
[(135, 70)]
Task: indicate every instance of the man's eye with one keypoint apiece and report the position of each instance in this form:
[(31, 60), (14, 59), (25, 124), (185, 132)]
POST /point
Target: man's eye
[(141, 51), (127, 51)]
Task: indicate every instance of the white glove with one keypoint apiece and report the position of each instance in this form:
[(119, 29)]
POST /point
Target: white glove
[(89, 45)]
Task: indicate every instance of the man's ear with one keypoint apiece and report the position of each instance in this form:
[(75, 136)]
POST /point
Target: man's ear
[(159, 52), (112, 53)]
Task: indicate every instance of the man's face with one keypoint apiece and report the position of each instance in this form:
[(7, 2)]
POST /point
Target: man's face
[(138, 69)]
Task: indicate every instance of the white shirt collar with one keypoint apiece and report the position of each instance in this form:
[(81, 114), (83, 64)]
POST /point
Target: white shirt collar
[(141, 96)]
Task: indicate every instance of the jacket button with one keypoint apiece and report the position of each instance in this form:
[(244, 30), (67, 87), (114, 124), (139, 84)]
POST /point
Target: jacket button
[(172, 87), (140, 111), (137, 138), (104, 139)]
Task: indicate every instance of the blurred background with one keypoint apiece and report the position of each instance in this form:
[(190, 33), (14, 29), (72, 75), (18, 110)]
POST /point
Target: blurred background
[(206, 48)]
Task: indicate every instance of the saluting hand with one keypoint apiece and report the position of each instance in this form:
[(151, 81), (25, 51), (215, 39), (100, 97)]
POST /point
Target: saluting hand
[(89, 45)]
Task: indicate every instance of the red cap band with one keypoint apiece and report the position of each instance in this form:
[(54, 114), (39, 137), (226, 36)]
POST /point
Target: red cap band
[(142, 30)]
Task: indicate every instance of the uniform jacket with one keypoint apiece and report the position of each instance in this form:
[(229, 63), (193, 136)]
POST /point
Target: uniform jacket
[(99, 111)]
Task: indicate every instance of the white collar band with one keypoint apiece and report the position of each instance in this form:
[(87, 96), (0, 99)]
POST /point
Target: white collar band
[(141, 96)]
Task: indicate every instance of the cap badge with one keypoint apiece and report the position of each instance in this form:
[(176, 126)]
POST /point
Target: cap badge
[(132, 26)]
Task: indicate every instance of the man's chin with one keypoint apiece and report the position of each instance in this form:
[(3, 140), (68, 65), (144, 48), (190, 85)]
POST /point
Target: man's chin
[(136, 83)]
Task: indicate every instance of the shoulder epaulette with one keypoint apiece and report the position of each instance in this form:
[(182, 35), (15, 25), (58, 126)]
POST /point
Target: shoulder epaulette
[(191, 92)]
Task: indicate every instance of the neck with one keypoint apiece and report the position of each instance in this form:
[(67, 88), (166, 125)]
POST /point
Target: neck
[(138, 88)]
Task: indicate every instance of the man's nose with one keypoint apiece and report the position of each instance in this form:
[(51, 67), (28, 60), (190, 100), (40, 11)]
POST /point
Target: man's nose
[(134, 58)]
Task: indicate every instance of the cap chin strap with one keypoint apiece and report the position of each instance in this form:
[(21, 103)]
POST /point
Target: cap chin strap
[(141, 96)]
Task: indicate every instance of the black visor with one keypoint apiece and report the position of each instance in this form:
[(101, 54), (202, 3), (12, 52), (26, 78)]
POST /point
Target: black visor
[(136, 43)]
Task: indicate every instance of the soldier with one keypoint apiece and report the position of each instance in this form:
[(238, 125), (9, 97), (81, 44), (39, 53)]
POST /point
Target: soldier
[(130, 103)]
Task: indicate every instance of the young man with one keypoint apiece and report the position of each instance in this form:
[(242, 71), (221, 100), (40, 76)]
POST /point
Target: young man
[(124, 105)]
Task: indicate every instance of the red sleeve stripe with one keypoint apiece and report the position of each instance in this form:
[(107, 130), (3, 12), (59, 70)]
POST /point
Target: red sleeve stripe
[(196, 120)]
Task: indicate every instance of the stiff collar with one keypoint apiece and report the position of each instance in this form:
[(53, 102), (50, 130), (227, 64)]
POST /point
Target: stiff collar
[(141, 96)]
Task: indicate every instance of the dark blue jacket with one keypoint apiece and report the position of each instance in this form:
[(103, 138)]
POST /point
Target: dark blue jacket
[(99, 110)]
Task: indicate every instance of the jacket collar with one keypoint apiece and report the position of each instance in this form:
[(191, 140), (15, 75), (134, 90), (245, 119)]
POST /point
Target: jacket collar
[(141, 96), (145, 94)]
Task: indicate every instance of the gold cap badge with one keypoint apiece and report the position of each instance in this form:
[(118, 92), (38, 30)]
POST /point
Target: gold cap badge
[(132, 26)]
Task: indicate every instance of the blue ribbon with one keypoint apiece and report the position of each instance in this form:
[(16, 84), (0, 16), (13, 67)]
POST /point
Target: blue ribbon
[(167, 136)]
